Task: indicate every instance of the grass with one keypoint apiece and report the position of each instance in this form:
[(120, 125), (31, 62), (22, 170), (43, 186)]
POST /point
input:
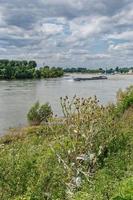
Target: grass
[(87, 157)]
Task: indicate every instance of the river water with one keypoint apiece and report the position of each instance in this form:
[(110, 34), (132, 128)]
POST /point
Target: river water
[(16, 97)]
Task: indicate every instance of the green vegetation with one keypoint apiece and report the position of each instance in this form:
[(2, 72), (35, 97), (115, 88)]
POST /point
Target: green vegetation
[(125, 99), (15, 69), (119, 70), (26, 70), (84, 70), (39, 113), (87, 155)]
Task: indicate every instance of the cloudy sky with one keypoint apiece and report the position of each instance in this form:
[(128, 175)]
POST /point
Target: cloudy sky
[(82, 33)]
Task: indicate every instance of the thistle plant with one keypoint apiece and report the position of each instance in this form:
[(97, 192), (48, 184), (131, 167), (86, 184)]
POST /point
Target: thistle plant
[(88, 128)]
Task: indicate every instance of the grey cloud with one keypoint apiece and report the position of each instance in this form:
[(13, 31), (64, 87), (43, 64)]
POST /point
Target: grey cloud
[(66, 32), (20, 19)]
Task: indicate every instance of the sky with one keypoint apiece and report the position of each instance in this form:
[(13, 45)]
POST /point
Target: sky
[(68, 33)]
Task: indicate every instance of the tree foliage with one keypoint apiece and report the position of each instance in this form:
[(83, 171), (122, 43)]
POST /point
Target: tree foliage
[(15, 69), (39, 113)]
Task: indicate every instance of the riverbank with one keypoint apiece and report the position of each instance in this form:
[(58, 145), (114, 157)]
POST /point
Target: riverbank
[(89, 156)]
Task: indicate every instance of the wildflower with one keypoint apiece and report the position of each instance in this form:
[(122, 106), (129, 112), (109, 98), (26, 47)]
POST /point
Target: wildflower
[(83, 135), (72, 164), (69, 192), (2, 145), (69, 151), (47, 194), (75, 131), (83, 157), (92, 156), (100, 150), (78, 181)]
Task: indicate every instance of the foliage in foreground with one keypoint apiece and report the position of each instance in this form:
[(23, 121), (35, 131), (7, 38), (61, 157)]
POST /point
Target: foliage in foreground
[(87, 155)]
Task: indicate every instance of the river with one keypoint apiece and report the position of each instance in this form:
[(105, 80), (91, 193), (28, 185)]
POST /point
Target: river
[(16, 97)]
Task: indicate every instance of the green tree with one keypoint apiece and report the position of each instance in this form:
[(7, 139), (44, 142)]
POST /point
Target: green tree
[(39, 113), (32, 64), (37, 74)]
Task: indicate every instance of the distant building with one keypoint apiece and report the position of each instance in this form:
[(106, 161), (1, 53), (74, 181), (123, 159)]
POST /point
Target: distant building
[(130, 71)]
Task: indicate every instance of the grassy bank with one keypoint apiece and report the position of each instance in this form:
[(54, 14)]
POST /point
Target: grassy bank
[(88, 156)]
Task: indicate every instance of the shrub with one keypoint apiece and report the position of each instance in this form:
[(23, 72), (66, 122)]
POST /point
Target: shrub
[(125, 99), (39, 113)]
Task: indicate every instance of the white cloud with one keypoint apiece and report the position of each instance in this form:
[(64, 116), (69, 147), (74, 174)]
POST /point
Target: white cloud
[(124, 48), (125, 17), (127, 35), (50, 29), (97, 56), (86, 28)]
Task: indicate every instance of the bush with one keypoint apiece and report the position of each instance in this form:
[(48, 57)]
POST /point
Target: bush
[(39, 113), (125, 99)]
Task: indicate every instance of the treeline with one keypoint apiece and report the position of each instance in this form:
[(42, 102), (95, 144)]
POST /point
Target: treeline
[(83, 70), (100, 70), (120, 70), (15, 69)]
